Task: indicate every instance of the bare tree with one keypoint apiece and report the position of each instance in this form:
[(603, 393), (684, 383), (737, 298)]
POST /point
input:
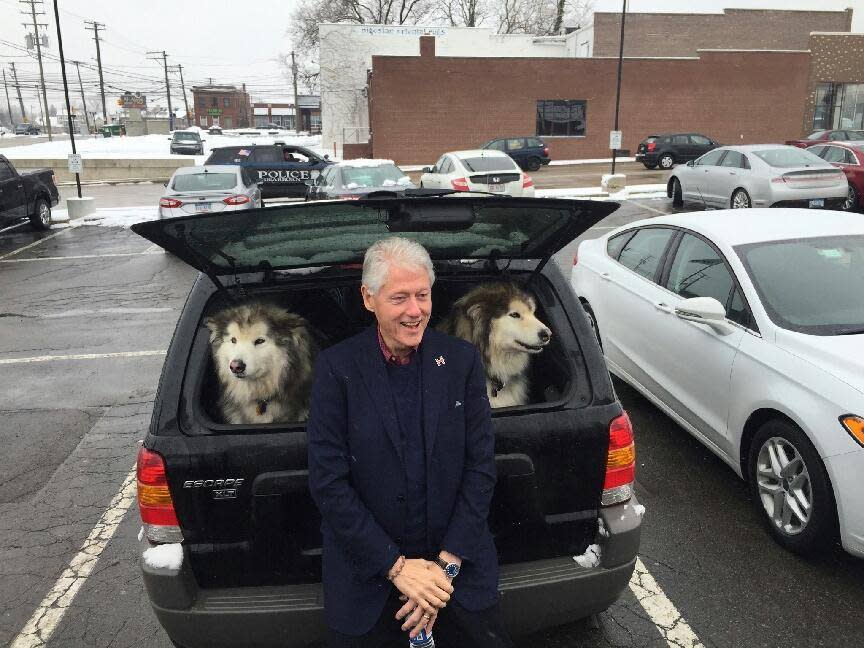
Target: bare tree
[(462, 13), (540, 17)]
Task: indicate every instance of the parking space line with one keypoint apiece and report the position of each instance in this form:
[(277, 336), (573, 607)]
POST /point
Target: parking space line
[(81, 356), (41, 626), (35, 243), (81, 256), (661, 610), (644, 206)]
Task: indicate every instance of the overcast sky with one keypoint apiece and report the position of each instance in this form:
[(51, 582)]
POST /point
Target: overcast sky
[(226, 40)]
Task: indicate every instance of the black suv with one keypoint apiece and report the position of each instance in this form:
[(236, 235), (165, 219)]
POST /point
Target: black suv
[(666, 151), (234, 499), (529, 152), (281, 170)]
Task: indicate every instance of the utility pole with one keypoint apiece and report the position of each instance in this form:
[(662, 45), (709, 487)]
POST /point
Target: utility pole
[(41, 108), (8, 103), (66, 91), (95, 27), (185, 100), (83, 100), (18, 87), (296, 102), (618, 89), (36, 25), (167, 87)]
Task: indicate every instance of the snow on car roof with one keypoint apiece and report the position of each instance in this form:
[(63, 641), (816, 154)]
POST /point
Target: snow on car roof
[(478, 153), (363, 162), (741, 226)]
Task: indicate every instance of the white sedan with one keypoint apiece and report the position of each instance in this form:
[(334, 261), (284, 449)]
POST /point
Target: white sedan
[(748, 330), (207, 189), (482, 170)]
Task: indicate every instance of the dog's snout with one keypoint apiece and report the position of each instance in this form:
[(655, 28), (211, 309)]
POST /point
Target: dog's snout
[(544, 335), (237, 366)]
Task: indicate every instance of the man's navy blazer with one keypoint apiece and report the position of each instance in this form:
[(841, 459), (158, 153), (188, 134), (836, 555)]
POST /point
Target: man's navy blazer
[(357, 474)]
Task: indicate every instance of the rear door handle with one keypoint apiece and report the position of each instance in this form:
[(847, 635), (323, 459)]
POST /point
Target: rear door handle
[(665, 308), (605, 276)]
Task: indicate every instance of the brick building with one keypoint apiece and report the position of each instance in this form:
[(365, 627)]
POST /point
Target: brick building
[(280, 111), (681, 34), (734, 96), (224, 105)]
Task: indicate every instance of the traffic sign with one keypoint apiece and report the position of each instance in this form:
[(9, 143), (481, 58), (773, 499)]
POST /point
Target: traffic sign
[(76, 164), (615, 140)]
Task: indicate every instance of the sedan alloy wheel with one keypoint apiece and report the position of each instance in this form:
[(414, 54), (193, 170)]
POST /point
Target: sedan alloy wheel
[(784, 485), (741, 200), (851, 202)]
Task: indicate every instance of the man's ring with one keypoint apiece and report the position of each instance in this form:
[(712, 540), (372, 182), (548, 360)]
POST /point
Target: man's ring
[(427, 616)]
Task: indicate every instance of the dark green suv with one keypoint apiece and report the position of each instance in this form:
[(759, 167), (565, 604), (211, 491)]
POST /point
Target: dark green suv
[(529, 152)]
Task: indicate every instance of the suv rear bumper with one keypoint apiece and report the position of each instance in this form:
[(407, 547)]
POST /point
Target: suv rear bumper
[(534, 595)]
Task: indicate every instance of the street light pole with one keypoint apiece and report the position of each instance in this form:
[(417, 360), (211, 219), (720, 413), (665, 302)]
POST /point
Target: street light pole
[(618, 90), (66, 92)]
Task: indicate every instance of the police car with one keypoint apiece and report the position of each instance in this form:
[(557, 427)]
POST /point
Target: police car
[(280, 169)]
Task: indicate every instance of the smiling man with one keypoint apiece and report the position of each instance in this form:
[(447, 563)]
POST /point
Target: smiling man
[(402, 468)]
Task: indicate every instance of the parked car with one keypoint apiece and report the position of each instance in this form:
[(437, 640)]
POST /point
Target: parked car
[(485, 170), (758, 175), (4, 131), (750, 336), (283, 170), (30, 195), (845, 135), (209, 189), (666, 151), (187, 142), (26, 129), (528, 152), (236, 497), (214, 130), (352, 179), (849, 157)]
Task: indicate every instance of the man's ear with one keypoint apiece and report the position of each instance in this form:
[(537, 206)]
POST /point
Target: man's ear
[(368, 302)]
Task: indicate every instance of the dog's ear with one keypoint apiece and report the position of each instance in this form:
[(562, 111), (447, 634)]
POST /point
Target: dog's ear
[(213, 326), (474, 312)]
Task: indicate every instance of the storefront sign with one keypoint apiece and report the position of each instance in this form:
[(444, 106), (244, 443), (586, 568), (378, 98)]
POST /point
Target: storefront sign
[(214, 111)]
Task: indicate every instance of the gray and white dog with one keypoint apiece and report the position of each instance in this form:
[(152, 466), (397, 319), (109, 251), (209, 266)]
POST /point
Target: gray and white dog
[(264, 357), (498, 318)]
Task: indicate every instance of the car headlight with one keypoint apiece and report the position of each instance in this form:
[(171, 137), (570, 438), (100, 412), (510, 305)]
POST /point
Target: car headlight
[(854, 426)]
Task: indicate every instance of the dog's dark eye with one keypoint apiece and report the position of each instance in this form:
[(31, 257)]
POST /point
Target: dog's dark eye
[(233, 340), (515, 315), (259, 341)]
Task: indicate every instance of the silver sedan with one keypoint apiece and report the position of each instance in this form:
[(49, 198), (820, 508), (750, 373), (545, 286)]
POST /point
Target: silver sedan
[(209, 189), (758, 175)]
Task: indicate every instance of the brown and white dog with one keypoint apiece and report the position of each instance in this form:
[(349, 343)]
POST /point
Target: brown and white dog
[(264, 357), (498, 318)]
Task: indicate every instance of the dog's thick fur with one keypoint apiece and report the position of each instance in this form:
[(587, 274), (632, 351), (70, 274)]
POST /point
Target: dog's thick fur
[(270, 381), (498, 318)]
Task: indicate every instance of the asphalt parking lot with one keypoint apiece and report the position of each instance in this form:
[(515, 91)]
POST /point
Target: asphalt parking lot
[(86, 315)]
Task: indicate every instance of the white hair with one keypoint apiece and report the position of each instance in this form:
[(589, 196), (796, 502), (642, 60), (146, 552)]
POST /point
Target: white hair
[(393, 251)]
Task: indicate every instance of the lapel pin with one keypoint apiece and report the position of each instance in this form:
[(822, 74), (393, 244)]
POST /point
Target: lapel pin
[(439, 361)]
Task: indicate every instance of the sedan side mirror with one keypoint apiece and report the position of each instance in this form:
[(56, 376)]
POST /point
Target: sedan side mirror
[(326, 156), (691, 163), (427, 170), (705, 310)]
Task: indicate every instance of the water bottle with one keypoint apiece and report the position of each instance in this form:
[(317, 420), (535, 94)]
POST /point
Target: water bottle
[(422, 640)]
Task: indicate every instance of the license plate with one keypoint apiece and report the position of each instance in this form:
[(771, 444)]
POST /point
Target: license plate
[(496, 188), (817, 202), (202, 207)]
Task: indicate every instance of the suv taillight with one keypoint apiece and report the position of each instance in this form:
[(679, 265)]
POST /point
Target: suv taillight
[(154, 499), (546, 151), (236, 200), (620, 462), (459, 184), (170, 203), (651, 146)]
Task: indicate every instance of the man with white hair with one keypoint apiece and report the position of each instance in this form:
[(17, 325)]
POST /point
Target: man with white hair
[(402, 468)]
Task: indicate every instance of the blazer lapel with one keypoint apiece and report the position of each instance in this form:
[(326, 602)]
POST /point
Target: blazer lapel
[(371, 365), (435, 380)]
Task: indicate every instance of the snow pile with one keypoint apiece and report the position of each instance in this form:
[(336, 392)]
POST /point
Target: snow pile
[(404, 180), (113, 216), (363, 162), (148, 146), (639, 510), (591, 557), (601, 528), (164, 556)]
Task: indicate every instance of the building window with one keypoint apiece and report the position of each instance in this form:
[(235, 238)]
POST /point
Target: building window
[(839, 106), (562, 117), (226, 102), (202, 101), (214, 102)]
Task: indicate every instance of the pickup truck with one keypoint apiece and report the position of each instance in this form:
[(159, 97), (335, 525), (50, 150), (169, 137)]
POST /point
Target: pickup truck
[(28, 195)]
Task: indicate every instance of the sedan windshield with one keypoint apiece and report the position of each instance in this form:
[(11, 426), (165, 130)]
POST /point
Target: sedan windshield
[(486, 164), (192, 137), (812, 285), (205, 182), (385, 175), (783, 158)]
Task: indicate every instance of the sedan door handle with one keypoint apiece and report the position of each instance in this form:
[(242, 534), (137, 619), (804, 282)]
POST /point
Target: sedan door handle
[(605, 276), (665, 308)]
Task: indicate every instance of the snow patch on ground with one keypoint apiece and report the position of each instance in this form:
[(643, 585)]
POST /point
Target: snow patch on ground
[(591, 557), (363, 162), (165, 556), (601, 528), (633, 191)]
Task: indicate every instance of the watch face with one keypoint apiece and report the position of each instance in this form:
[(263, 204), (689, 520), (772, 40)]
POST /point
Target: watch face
[(452, 570)]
